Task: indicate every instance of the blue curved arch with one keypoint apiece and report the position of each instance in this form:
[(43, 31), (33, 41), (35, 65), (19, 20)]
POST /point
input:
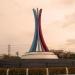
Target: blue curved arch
[(34, 43)]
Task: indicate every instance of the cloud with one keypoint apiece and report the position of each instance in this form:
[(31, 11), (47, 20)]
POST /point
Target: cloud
[(68, 1), (69, 20), (63, 2), (70, 42)]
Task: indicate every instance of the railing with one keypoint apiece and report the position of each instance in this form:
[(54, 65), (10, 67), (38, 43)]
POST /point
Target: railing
[(21, 63)]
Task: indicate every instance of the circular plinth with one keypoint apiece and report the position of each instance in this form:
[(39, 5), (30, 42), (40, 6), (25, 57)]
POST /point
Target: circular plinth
[(39, 55)]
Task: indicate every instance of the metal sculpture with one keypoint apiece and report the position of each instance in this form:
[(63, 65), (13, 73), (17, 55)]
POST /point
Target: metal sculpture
[(38, 40)]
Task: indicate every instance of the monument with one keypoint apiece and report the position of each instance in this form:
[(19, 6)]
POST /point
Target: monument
[(39, 49)]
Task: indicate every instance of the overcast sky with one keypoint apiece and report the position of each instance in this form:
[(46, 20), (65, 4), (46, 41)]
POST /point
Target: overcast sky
[(17, 24)]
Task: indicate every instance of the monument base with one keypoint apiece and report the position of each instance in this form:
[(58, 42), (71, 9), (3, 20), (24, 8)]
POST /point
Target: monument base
[(39, 55)]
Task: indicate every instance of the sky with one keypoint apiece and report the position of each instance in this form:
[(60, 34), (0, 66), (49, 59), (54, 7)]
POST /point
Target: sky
[(17, 24)]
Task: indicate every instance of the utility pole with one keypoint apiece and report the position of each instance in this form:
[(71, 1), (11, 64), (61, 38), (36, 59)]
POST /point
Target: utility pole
[(9, 49)]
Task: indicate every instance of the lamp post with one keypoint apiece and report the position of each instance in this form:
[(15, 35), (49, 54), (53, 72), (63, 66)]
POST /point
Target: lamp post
[(7, 71), (27, 71), (47, 71)]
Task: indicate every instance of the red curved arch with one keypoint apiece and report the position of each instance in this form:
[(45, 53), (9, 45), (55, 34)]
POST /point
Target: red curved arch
[(40, 33)]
